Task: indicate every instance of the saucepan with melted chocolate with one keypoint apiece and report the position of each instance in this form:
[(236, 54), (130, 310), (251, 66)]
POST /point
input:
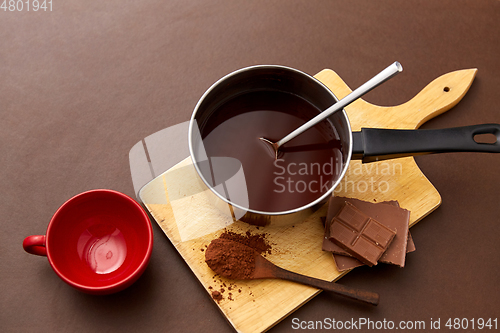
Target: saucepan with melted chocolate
[(271, 101)]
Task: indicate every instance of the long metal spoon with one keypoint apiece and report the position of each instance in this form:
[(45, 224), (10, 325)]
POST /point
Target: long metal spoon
[(254, 266), (378, 79)]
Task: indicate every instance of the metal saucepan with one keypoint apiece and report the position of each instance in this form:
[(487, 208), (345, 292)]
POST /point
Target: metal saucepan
[(368, 144)]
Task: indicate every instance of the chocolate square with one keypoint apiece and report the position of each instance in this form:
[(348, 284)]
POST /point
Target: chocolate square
[(362, 236)]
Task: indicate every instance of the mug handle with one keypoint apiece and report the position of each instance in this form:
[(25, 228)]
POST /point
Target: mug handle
[(35, 245)]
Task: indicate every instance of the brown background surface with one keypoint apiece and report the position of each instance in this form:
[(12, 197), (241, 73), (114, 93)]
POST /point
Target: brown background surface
[(80, 85)]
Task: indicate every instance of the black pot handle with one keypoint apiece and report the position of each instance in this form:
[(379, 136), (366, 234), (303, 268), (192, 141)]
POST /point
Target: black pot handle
[(375, 144)]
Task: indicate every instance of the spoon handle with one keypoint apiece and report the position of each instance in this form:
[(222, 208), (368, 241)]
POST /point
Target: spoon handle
[(353, 293), (374, 82)]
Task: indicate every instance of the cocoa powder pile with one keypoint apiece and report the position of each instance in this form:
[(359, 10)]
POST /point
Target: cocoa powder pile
[(230, 259), (257, 241), (232, 255)]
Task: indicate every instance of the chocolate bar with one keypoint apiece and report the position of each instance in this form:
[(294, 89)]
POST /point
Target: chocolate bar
[(362, 236), (388, 213)]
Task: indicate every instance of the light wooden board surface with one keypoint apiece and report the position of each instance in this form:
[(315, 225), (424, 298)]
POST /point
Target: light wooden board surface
[(184, 208)]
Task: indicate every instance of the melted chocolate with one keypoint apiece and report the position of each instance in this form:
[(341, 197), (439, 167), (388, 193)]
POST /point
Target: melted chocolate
[(306, 170)]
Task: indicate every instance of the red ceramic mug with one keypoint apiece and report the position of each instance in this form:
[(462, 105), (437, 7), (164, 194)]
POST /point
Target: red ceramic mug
[(99, 241)]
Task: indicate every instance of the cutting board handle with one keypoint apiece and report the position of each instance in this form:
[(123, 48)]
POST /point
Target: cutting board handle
[(437, 97)]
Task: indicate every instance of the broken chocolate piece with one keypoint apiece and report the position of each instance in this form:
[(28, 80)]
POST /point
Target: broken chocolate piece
[(410, 247), (345, 263), (387, 213), (362, 236)]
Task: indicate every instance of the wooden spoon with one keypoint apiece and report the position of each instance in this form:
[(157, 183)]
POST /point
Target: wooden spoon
[(264, 269), (234, 260)]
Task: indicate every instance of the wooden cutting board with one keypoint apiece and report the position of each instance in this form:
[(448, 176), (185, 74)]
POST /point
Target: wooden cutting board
[(182, 206)]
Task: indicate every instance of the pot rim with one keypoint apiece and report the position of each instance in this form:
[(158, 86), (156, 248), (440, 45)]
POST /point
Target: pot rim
[(192, 123)]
